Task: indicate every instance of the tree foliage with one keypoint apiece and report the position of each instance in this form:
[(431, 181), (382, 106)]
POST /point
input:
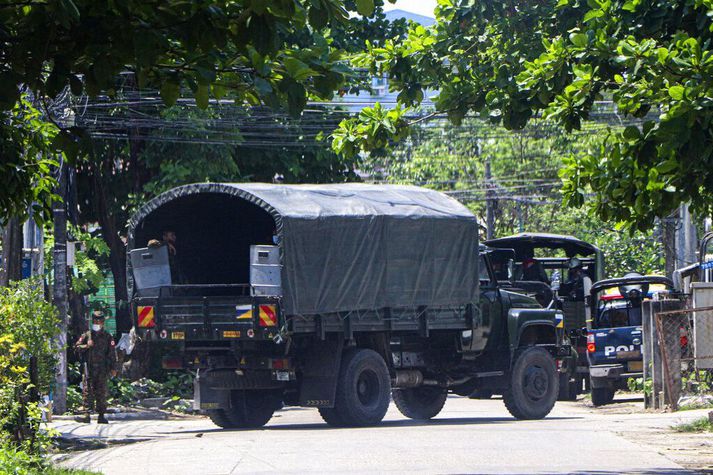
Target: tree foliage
[(508, 61), (270, 52), (525, 185)]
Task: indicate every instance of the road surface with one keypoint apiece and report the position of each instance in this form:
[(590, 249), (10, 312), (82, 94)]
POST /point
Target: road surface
[(469, 436)]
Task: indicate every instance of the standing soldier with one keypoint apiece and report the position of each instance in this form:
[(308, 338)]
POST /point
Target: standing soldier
[(96, 347)]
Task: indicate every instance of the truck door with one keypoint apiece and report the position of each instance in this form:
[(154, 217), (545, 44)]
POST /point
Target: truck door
[(487, 318)]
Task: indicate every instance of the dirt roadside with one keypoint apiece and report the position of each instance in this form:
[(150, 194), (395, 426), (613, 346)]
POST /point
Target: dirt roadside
[(692, 450)]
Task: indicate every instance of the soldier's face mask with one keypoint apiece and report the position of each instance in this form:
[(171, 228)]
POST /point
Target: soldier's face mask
[(97, 326)]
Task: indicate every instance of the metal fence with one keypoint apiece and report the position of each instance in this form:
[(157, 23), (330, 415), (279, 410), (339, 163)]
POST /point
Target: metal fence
[(678, 353)]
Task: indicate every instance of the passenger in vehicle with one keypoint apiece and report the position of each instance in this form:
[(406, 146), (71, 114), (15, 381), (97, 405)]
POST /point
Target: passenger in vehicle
[(168, 239), (532, 270), (579, 284)]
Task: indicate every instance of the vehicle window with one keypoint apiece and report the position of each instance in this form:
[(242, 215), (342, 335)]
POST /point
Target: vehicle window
[(619, 317), (484, 274)]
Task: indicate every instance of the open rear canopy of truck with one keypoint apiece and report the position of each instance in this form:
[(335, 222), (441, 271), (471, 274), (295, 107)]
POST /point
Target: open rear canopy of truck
[(342, 247)]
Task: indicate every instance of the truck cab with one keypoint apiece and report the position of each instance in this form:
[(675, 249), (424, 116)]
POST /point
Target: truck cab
[(551, 254), (615, 337)]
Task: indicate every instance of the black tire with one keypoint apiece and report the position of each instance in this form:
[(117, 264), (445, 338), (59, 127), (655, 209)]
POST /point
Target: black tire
[(534, 385), (363, 388), (220, 418), (419, 403), (331, 416), (568, 389), (481, 394), (602, 396), (252, 409)]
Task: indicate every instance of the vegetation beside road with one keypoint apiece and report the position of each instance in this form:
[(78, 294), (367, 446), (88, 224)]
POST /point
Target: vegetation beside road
[(703, 424)]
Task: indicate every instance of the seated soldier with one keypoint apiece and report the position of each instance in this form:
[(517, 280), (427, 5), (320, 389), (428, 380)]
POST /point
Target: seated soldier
[(532, 270)]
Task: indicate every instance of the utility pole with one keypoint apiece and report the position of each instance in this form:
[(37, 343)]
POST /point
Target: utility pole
[(668, 240), (489, 202), (59, 291)]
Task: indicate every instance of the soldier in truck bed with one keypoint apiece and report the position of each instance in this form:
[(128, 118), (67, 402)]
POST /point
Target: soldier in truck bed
[(96, 348), (168, 239)]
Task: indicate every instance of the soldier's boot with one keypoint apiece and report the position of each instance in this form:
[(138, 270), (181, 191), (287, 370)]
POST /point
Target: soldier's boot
[(101, 419), (84, 419)]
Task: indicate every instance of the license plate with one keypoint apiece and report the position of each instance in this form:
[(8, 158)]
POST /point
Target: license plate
[(282, 375), (178, 335), (636, 365), (231, 334)]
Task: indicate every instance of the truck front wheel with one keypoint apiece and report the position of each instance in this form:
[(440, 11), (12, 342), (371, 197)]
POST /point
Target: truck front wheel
[(419, 403), (533, 385), (363, 389)]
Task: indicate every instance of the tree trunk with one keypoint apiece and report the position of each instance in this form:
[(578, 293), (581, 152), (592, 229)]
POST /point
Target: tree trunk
[(117, 248), (11, 252)]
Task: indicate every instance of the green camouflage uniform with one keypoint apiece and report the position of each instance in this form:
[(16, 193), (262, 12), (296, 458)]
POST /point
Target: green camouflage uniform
[(100, 362)]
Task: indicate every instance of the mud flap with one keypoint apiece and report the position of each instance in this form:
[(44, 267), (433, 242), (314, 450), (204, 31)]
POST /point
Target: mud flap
[(321, 372), (206, 398)]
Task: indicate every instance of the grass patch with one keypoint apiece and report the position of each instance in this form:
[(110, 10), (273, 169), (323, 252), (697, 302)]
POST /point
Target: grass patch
[(701, 425)]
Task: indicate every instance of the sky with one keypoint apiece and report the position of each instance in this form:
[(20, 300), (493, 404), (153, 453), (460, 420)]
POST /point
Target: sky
[(422, 7)]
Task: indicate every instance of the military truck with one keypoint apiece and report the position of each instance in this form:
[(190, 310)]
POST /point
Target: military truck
[(552, 253), (334, 297)]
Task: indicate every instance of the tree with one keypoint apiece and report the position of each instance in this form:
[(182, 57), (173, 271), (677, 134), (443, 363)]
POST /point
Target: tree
[(275, 52), (525, 181), (507, 61)]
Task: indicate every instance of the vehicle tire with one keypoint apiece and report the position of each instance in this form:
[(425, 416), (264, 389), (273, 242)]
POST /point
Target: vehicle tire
[(534, 385), (481, 394), (419, 403), (567, 388), (602, 396), (253, 408), (331, 416), (220, 418), (363, 388)]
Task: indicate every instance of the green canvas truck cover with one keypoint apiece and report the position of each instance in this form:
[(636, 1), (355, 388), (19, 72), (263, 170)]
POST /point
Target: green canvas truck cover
[(346, 247)]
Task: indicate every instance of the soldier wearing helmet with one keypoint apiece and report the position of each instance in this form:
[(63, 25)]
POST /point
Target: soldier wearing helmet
[(578, 284)]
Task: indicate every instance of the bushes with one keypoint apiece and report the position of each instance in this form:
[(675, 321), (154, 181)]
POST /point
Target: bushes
[(28, 325), (20, 462)]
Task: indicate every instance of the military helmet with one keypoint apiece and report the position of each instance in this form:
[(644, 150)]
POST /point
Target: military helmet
[(575, 263)]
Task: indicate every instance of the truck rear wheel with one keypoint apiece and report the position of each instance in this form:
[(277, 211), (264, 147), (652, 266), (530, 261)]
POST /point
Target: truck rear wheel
[(419, 403), (602, 396), (533, 385), (220, 418), (363, 389), (249, 410)]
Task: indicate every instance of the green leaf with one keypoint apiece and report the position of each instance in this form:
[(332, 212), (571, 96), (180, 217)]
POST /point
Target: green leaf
[(170, 91), (365, 7), (591, 14), (676, 92), (202, 96), (578, 39), (632, 133)]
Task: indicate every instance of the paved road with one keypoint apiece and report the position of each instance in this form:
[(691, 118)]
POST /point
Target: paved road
[(468, 436)]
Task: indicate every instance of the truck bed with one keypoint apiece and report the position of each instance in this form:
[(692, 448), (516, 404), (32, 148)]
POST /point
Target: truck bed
[(178, 315)]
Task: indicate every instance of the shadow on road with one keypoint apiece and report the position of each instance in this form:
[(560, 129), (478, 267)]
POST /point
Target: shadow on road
[(457, 421)]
